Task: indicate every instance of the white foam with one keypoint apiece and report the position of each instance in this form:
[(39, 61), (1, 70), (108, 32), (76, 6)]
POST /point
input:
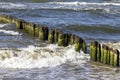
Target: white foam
[(55, 5), (85, 3), (77, 6), (115, 45), (8, 5), (111, 8), (38, 57), (2, 25), (10, 32)]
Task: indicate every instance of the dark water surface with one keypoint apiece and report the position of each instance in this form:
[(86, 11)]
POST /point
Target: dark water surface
[(23, 57), (95, 17)]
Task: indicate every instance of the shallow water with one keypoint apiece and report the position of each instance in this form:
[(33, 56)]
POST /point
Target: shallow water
[(23, 57)]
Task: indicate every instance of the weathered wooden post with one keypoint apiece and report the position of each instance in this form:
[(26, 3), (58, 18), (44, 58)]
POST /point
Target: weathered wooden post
[(19, 23), (36, 30), (30, 28), (46, 31), (56, 31), (25, 26), (72, 39), (41, 33), (84, 47), (111, 57), (51, 36), (93, 50), (98, 52), (116, 58), (69, 38), (108, 55), (105, 54), (61, 39), (102, 53), (3, 18), (7, 18), (78, 43), (66, 39)]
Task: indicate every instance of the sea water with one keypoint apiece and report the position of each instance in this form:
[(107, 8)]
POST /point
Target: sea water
[(24, 57)]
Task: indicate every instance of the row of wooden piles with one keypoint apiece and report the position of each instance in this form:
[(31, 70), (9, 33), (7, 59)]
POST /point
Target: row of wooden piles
[(104, 54), (98, 52), (47, 34)]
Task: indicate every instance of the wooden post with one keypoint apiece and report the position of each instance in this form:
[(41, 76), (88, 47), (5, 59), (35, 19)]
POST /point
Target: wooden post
[(51, 36), (116, 58), (56, 31), (108, 55), (77, 44), (111, 57), (80, 44), (69, 38), (61, 39), (93, 50), (98, 52), (66, 39), (36, 30), (105, 53), (72, 39), (102, 53), (41, 33), (30, 28), (46, 31), (84, 47), (19, 24)]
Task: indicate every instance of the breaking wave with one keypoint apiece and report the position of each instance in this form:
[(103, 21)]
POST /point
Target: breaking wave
[(76, 6), (38, 57)]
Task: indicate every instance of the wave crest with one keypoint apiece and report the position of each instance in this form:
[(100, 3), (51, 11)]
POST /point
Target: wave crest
[(77, 6)]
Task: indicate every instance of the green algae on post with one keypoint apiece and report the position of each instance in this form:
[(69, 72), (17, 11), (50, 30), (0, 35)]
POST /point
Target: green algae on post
[(116, 58), (56, 31), (51, 36), (99, 52), (93, 50), (108, 55), (84, 47), (105, 52), (41, 33), (30, 28), (36, 30), (61, 39), (111, 57), (72, 39), (77, 44)]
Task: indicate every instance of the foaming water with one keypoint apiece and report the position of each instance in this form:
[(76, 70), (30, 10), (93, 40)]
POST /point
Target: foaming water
[(29, 55), (9, 5), (2, 25), (9, 32), (39, 57), (115, 45)]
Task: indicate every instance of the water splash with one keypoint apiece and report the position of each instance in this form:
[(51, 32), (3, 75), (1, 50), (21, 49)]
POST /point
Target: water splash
[(38, 57)]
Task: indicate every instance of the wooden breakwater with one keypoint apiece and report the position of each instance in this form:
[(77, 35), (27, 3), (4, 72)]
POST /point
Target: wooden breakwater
[(98, 53), (47, 34), (104, 54)]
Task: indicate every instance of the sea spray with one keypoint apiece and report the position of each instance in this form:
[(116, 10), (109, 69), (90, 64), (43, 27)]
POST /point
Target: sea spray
[(38, 57)]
